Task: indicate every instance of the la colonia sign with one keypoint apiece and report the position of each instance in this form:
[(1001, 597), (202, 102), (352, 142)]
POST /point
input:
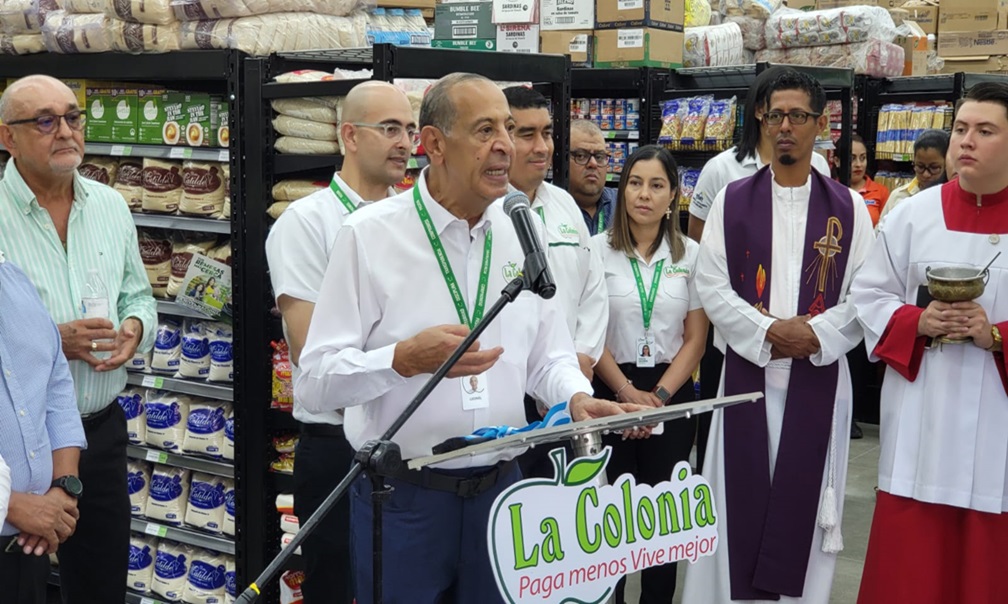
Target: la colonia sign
[(566, 539)]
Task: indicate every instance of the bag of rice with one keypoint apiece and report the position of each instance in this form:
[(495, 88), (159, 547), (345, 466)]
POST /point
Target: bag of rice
[(138, 479), (167, 346), (129, 183), (305, 146), (205, 583), (227, 450), (140, 573), (221, 352), (316, 110), (99, 169), (171, 567), (277, 208), (230, 578), (229, 511), (132, 402), (206, 502), (169, 491), (286, 125), (202, 189), (141, 362), (162, 183), (294, 189), (221, 253), (195, 359), (167, 413), (156, 253), (185, 245), (205, 428)]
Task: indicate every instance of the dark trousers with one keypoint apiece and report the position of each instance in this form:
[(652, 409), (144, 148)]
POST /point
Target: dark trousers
[(651, 461), (22, 577), (435, 543), (320, 462), (93, 560), (710, 380)]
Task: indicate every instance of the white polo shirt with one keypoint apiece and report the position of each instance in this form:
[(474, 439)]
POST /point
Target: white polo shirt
[(297, 251), (723, 169)]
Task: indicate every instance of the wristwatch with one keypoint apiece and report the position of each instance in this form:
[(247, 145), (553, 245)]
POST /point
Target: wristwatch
[(662, 394), (996, 343), (69, 483)]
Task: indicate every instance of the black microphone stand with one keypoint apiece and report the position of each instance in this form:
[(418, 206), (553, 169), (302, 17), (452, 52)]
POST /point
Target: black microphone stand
[(381, 457)]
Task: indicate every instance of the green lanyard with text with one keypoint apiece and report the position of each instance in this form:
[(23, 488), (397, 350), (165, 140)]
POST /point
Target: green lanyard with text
[(446, 269), (601, 221), (340, 195), (647, 300)]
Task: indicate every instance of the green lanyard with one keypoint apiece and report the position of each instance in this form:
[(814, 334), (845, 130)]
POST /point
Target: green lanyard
[(542, 214), (446, 269), (340, 195), (647, 301), (601, 221)]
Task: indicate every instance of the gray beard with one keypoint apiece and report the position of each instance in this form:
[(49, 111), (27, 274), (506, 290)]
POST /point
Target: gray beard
[(788, 160)]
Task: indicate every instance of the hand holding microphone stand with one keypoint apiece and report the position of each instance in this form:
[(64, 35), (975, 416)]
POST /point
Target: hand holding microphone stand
[(382, 456)]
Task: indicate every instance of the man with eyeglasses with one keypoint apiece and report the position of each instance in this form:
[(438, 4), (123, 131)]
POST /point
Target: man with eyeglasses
[(588, 162), (778, 253), (64, 230), (378, 132)]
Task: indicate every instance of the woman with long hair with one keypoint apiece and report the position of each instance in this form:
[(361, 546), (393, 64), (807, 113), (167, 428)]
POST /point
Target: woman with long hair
[(654, 308)]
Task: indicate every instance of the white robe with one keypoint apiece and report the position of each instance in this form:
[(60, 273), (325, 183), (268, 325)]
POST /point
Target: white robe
[(943, 436), (738, 323)]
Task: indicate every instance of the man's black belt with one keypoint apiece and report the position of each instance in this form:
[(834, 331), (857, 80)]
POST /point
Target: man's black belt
[(90, 419), (463, 486), (322, 430)]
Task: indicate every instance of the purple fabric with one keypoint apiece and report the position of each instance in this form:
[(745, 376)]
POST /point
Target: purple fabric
[(771, 523)]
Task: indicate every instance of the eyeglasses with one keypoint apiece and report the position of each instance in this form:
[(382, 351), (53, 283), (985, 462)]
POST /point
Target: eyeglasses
[(47, 124), (932, 169), (581, 157), (797, 117), (393, 130)]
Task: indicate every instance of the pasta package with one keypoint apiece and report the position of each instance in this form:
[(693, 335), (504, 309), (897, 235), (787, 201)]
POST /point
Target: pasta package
[(696, 118), (672, 117), (848, 25), (720, 121)]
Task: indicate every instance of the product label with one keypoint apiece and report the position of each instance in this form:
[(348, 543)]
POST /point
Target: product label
[(140, 559), (206, 576), (579, 44), (135, 482), (205, 420), (132, 406), (630, 38), (166, 488), (206, 496), (161, 416), (169, 566), (630, 4)]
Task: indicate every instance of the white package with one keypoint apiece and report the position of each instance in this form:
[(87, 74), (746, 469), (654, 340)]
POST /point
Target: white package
[(144, 37), (289, 523), (167, 346), (285, 540), (753, 31), (875, 58), (290, 587), (73, 34), (141, 361), (169, 492), (158, 12), (277, 32), (202, 189), (206, 502), (305, 146), (204, 432), (21, 44), (171, 568), (138, 480), (713, 46), (25, 16), (205, 582), (230, 579), (84, 6), (167, 414), (285, 503), (316, 110), (286, 125), (194, 361), (133, 405), (228, 450), (221, 352), (792, 28), (140, 573), (229, 511)]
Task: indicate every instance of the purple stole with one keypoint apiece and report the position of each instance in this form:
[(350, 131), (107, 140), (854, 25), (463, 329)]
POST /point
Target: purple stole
[(771, 524)]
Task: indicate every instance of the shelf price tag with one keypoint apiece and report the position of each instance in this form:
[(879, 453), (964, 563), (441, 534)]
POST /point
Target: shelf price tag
[(147, 601), (634, 135), (223, 155), (157, 456), (156, 530), (118, 150), (177, 153), (151, 381)]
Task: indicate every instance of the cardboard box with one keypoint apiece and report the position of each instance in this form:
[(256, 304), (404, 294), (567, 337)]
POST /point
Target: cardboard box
[(464, 21), (487, 44), (995, 64), (123, 106), (566, 14), (922, 12), (522, 39), (100, 110), (172, 104), (578, 44), (638, 47), (968, 15), (972, 43), (660, 14), (201, 120), (515, 12), (150, 116), (914, 50), (223, 124)]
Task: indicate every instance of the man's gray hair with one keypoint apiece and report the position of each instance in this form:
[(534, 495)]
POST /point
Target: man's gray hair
[(586, 127), (437, 108)]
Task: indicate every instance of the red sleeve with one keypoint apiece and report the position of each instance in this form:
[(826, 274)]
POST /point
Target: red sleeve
[(901, 348), (999, 357)]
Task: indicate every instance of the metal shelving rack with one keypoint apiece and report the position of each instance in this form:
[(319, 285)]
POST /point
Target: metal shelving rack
[(218, 72)]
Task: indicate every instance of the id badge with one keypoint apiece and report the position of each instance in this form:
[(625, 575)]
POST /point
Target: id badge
[(475, 392), (645, 351)]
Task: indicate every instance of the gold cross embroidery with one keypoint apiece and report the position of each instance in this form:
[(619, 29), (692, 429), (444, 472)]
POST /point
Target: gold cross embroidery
[(828, 246)]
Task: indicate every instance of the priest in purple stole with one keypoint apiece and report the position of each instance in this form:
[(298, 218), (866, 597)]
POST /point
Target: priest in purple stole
[(776, 261)]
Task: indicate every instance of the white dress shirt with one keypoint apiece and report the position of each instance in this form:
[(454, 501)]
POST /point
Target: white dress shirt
[(5, 490), (579, 280), (676, 296), (386, 287), (297, 251), (723, 169)]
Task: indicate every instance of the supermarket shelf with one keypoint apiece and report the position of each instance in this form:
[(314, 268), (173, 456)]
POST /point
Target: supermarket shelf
[(213, 391), (614, 178), (167, 307), (621, 135), (292, 164), (895, 156), (278, 90), (217, 468), (157, 151), (133, 597), (182, 223), (177, 66), (218, 544), (283, 483)]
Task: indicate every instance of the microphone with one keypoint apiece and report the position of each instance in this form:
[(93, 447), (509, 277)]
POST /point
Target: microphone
[(537, 274)]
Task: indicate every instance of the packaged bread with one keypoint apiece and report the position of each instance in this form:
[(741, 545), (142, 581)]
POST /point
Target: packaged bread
[(314, 109), (21, 44), (162, 183), (305, 146), (74, 34), (156, 253), (202, 189), (129, 182), (294, 126), (99, 168), (183, 248), (155, 12), (294, 189), (144, 37)]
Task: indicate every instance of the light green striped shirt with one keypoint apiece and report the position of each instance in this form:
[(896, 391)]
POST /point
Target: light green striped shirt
[(101, 235)]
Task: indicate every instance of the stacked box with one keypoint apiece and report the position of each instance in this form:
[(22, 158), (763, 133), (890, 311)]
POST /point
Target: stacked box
[(100, 110), (465, 25)]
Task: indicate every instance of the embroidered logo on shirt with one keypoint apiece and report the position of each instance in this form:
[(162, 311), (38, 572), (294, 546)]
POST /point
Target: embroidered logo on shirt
[(567, 231), (674, 269), (511, 271)]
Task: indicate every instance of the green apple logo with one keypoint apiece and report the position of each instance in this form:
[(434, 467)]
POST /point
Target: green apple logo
[(569, 539)]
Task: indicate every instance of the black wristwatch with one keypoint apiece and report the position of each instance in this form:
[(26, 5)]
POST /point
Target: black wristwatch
[(71, 484), (662, 394)]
